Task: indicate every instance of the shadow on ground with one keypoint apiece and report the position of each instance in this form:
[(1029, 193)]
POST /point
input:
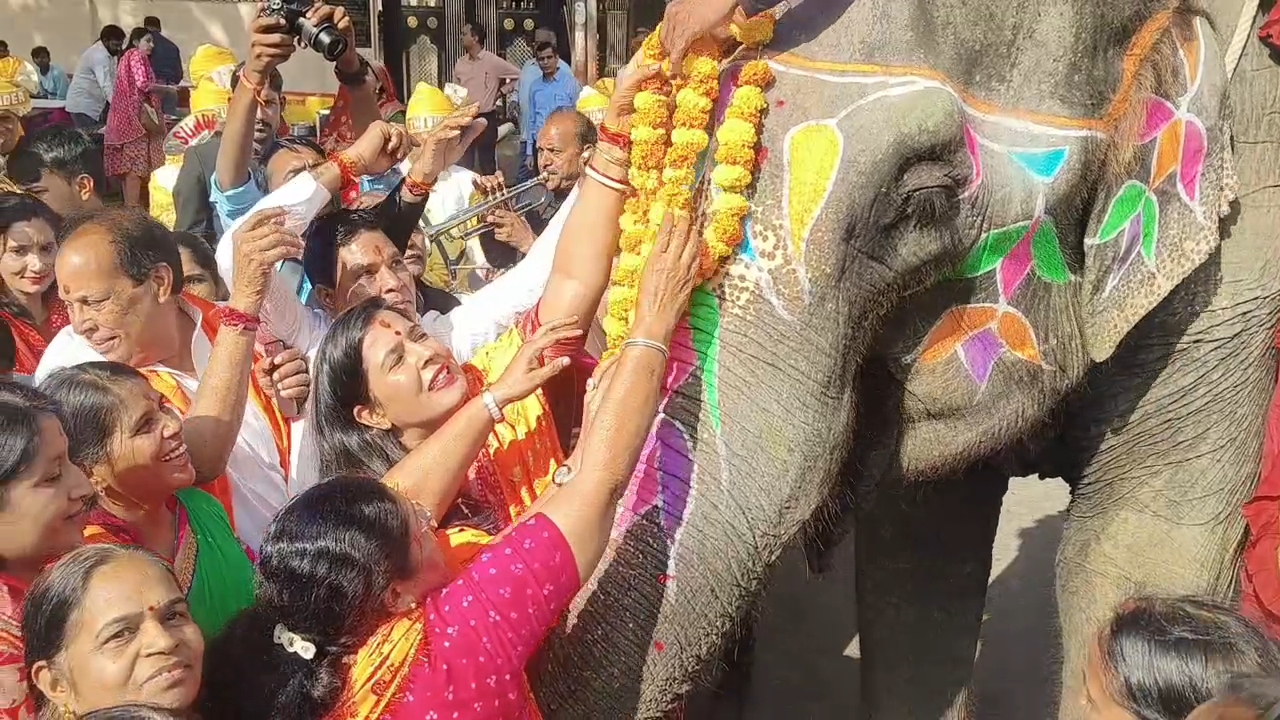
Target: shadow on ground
[(806, 652)]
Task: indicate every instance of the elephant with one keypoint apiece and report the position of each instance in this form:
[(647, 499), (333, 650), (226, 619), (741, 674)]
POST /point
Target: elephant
[(986, 240)]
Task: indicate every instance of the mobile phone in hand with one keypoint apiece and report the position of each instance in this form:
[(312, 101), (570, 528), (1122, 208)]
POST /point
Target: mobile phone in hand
[(288, 406)]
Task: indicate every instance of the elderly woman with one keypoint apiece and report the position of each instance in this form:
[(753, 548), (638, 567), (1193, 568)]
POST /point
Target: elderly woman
[(355, 618), (29, 300), (108, 625), (131, 444), (44, 505)]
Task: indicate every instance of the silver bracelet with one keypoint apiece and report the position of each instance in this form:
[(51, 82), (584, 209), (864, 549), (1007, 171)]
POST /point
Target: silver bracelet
[(491, 403), (651, 344)]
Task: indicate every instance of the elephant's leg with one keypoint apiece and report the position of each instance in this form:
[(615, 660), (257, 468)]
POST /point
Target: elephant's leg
[(1172, 431), (923, 561)]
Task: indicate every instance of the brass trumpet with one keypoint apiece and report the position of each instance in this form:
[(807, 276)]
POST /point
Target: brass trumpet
[(473, 213)]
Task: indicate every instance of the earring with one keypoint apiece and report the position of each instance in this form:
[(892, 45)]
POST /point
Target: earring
[(68, 713)]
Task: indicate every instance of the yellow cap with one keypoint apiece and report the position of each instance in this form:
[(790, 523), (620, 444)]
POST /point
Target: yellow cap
[(593, 104), (605, 86), (14, 98), (21, 73), (427, 106), (206, 59)]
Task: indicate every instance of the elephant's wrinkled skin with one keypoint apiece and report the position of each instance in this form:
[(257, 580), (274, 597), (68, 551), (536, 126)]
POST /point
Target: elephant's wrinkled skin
[(1143, 383)]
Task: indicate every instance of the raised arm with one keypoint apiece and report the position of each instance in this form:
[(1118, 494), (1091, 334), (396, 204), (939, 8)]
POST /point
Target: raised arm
[(364, 96), (626, 400), (433, 473), (213, 422), (270, 44), (580, 271)]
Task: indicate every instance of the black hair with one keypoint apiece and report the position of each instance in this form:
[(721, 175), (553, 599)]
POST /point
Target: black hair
[(292, 143), (478, 32), (542, 47), (55, 597), (18, 208), (325, 566), (275, 80), (111, 33), (584, 131), (90, 396), (40, 50), (21, 408), (136, 712), (8, 348), (140, 242), (65, 152), (151, 22), (1249, 696), (4, 44), (340, 384), (1163, 657), (202, 253), (136, 35), (329, 234)]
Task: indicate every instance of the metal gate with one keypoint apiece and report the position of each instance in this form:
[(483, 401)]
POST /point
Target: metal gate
[(425, 40)]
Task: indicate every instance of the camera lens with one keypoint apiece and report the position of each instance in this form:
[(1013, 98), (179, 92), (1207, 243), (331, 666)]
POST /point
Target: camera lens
[(325, 39)]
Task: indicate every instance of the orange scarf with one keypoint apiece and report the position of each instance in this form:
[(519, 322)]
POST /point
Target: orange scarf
[(380, 669), (168, 386)]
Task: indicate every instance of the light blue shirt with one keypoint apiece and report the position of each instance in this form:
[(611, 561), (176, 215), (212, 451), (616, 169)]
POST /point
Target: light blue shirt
[(54, 85), (545, 97), (529, 74)]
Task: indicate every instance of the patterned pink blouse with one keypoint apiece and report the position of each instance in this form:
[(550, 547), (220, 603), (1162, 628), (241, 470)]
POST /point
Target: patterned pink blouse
[(483, 628), (134, 79)]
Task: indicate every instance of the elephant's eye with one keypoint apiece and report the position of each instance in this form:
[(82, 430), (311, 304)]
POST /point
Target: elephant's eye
[(930, 193)]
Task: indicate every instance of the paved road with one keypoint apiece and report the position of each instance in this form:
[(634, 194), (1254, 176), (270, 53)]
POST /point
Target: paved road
[(1016, 674)]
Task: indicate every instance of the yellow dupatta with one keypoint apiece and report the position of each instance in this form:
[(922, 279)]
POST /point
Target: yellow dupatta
[(380, 669), (172, 391)]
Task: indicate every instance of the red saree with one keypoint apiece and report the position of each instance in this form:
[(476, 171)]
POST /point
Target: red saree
[(30, 343)]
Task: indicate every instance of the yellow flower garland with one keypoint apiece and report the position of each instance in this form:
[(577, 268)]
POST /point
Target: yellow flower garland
[(665, 146)]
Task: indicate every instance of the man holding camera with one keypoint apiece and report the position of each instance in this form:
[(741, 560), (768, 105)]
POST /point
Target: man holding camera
[(239, 180)]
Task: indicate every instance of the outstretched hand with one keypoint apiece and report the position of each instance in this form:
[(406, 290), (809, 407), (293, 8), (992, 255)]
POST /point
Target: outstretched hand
[(260, 243), (670, 275), (380, 148), (529, 370), (687, 21), (444, 144)]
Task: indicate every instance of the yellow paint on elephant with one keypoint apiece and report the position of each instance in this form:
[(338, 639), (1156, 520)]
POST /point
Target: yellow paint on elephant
[(814, 151)]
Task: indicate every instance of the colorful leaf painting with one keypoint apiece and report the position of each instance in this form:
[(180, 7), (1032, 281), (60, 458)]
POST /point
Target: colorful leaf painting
[(1015, 251), (704, 321), (974, 148), (955, 327), (1042, 164), (814, 151), (1194, 147), (979, 335), (1191, 50), (1160, 113), (1180, 147), (1134, 216)]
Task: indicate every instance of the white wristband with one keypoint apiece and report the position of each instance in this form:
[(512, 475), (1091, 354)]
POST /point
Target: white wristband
[(491, 403)]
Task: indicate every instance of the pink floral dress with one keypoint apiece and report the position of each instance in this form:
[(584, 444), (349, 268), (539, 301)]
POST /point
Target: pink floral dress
[(483, 627), (128, 150)]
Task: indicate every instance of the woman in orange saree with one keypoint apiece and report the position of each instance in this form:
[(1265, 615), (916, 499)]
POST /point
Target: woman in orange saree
[(499, 454)]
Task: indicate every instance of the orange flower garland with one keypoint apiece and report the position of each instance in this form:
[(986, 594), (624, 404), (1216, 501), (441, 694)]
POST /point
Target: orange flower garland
[(666, 145)]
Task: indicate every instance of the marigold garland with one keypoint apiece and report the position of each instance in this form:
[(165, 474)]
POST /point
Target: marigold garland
[(668, 135)]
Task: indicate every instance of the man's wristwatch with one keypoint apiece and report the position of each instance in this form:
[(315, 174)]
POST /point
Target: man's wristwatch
[(353, 79)]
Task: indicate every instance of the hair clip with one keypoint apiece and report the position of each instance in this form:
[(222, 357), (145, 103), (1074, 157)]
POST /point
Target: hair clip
[(292, 642)]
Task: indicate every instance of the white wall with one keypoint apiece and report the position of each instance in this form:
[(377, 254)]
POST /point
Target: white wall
[(67, 27)]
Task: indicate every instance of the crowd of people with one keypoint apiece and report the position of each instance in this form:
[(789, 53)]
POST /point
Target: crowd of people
[(229, 489)]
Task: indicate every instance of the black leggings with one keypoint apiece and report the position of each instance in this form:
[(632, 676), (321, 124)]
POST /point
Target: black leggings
[(482, 156)]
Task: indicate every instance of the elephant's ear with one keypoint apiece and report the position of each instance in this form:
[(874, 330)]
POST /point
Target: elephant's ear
[(1155, 218)]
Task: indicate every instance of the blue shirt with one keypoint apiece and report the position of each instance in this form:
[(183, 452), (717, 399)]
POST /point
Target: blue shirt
[(524, 88), (54, 84), (545, 97), (166, 60)]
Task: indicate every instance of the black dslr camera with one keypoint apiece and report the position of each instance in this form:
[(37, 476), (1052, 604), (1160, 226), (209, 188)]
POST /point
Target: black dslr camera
[(324, 39)]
